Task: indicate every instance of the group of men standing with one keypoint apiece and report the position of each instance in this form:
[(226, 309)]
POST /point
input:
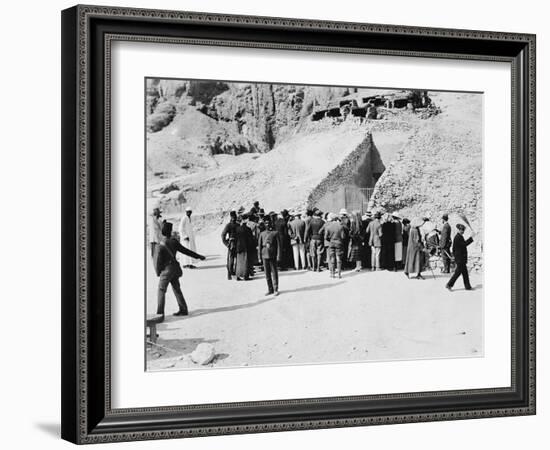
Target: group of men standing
[(279, 241), (339, 241)]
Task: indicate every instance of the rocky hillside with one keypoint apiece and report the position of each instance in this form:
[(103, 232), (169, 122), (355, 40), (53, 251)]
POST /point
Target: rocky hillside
[(439, 168), (189, 122), (282, 178), (218, 146)]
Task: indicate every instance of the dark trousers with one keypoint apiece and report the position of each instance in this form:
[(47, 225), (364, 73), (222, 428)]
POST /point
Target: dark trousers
[(316, 249), (167, 277), (445, 257), (153, 248), (231, 262), (271, 275), (335, 257), (461, 269)]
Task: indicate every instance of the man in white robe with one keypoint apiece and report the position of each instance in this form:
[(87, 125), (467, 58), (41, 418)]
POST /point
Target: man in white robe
[(187, 236)]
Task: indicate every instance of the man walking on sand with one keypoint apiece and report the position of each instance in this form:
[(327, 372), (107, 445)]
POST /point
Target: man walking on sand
[(269, 252), (169, 271), (460, 252), (187, 236)]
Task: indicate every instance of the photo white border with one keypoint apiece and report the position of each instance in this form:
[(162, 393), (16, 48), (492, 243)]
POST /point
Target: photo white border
[(133, 387)]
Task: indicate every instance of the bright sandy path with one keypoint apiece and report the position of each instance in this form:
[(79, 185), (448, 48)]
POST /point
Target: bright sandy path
[(363, 316)]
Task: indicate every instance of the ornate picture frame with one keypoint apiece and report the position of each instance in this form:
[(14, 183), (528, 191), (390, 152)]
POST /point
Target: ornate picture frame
[(87, 35)]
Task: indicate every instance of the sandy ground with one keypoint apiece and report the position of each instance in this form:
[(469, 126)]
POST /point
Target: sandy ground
[(365, 316)]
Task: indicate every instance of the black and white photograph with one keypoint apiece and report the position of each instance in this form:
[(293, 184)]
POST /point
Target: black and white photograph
[(289, 224)]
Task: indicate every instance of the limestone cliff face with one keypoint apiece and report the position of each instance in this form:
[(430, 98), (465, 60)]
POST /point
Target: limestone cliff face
[(225, 145), (262, 114), (440, 167)]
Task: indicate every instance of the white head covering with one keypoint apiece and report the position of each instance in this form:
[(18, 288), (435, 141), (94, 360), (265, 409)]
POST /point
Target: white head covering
[(343, 212), (189, 209)]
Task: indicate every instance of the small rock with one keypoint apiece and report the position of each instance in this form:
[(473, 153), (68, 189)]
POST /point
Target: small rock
[(203, 354)]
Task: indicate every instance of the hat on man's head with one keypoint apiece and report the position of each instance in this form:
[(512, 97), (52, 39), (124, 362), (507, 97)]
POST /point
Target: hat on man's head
[(445, 217), (233, 214), (331, 217), (343, 212), (396, 215), (166, 229), (460, 226), (188, 209)]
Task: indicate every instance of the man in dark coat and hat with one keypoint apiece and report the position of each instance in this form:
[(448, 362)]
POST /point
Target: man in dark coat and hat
[(268, 254), (281, 227), (229, 239), (169, 270), (460, 253)]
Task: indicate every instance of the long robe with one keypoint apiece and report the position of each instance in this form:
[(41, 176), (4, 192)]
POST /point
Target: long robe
[(244, 246), (415, 254), (186, 231)]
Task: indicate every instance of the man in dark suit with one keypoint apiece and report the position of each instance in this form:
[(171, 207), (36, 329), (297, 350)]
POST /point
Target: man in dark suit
[(445, 244), (281, 227), (315, 241), (168, 269), (229, 239), (269, 252), (460, 252)]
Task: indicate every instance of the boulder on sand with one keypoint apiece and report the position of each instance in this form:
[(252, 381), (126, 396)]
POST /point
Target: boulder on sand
[(203, 354)]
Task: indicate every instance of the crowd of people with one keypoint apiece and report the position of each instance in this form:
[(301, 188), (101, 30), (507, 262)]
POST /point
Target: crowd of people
[(314, 240)]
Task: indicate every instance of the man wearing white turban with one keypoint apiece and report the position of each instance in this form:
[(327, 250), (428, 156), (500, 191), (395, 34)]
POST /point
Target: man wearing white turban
[(187, 236)]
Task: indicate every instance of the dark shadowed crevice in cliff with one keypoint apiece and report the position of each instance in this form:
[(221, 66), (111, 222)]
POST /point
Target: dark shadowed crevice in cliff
[(350, 183)]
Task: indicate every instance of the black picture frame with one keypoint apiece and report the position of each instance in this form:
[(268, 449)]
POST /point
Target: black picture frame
[(87, 33)]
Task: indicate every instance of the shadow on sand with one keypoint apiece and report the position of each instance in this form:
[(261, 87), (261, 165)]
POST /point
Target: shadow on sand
[(203, 311), (316, 287), (214, 266)]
